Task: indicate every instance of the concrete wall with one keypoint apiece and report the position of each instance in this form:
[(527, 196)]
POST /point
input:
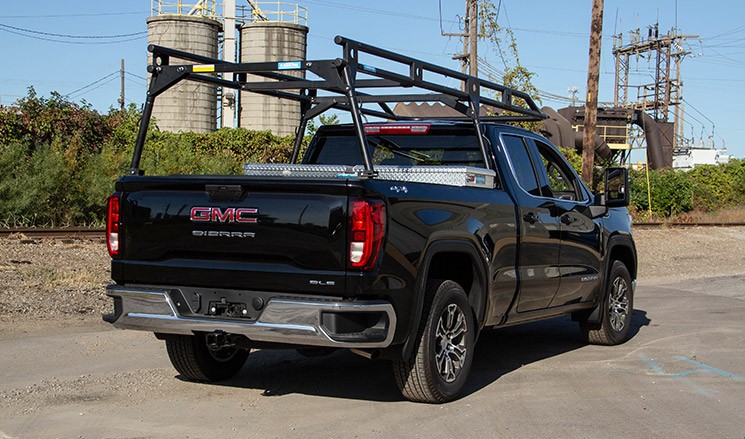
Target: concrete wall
[(271, 41), (189, 106)]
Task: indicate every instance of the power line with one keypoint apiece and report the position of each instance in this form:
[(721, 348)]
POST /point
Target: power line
[(720, 63), (374, 11), (437, 19), (72, 36), (116, 72), (136, 82), (136, 76), (713, 126), (98, 86), (690, 116), (3, 17), (727, 33), (395, 49), (36, 37)]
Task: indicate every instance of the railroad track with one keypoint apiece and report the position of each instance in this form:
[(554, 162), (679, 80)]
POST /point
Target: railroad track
[(61, 232), (683, 225), (91, 233)]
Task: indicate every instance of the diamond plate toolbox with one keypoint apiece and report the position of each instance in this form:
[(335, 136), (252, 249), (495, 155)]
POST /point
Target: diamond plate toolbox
[(442, 175)]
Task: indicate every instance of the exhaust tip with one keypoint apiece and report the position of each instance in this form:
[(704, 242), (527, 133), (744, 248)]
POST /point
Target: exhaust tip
[(369, 354)]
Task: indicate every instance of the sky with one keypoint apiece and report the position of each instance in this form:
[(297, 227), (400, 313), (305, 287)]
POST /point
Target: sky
[(75, 47)]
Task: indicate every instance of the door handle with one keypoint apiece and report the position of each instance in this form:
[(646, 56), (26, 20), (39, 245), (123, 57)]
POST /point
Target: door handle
[(567, 220), (530, 217)]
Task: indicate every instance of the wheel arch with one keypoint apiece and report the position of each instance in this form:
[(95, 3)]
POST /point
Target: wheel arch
[(620, 248), (458, 260)]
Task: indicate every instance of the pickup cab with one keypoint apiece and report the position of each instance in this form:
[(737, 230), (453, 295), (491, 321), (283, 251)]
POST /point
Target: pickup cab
[(396, 240)]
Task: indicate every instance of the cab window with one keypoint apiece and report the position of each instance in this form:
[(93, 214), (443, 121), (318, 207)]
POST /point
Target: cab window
[(522, 165), (560, 182)]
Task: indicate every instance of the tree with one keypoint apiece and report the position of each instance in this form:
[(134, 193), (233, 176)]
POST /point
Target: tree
[(503, 41), (323, 119)]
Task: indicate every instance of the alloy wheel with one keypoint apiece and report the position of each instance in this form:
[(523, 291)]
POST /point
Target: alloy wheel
[(618, 307), (450, 342)]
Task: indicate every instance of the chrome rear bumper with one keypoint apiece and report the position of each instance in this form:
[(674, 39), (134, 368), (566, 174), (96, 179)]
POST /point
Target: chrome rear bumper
[(288, 321)]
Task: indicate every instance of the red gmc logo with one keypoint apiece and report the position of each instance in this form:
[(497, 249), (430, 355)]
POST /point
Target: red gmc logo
[(228, 215)]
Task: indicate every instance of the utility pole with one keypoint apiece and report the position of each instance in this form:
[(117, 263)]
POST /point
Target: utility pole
[(469, 56), (121, 96), (473, 36), (593, 77), (465, 56)]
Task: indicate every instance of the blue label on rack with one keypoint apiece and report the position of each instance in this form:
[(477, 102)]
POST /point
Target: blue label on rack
[(368, 68), (289, 65)]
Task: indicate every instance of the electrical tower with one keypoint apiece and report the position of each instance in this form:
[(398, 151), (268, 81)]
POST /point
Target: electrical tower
[(665, 90)]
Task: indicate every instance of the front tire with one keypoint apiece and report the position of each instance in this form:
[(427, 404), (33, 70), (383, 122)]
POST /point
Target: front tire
[(194, 360), (440, 363), (618, 304)]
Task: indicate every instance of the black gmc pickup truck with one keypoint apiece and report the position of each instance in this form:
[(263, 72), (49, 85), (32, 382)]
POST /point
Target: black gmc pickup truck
[(399, 240)]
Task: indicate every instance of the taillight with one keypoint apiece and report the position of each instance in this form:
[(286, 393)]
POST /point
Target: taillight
[(366, 229), (112, 225)]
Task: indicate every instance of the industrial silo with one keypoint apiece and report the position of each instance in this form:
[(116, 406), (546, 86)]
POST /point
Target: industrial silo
[(272, 36), (189, 106)]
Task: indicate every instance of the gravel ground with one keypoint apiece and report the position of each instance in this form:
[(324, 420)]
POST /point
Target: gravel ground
[(52, 278), (60, 279), (671, 255)]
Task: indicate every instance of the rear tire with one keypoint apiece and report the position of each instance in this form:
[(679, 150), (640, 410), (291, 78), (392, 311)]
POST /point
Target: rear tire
[(191, 357), (618, 304), (440, 362)]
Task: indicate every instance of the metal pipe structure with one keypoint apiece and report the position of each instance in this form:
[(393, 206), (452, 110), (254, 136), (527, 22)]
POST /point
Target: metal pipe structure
[(561, 133), (653, 136), (559, 128)]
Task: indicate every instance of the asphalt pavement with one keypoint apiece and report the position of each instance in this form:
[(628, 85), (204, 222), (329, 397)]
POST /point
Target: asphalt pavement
[(682, 375)]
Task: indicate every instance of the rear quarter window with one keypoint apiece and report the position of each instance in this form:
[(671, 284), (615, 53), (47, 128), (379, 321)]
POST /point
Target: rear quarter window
[(401, 150)]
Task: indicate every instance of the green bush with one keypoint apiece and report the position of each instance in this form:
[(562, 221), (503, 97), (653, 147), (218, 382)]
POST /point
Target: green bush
[(638, 195), (60, 160), (35, 187), (36, 121), (705, 188), (672, 192), (736, 170), (712, 187)]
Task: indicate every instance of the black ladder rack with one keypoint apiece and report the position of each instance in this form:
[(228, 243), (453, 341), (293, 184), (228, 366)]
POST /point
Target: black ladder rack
[(350, 85)]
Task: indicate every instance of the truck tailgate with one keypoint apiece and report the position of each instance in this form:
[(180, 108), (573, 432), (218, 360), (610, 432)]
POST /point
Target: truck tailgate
[(233, 232)]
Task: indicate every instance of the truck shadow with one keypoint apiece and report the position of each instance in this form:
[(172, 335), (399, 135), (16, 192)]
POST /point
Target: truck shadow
[(504, 350), (345, 375)]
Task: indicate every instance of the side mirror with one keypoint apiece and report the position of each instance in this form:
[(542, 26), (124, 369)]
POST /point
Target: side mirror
[(617, 187)]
